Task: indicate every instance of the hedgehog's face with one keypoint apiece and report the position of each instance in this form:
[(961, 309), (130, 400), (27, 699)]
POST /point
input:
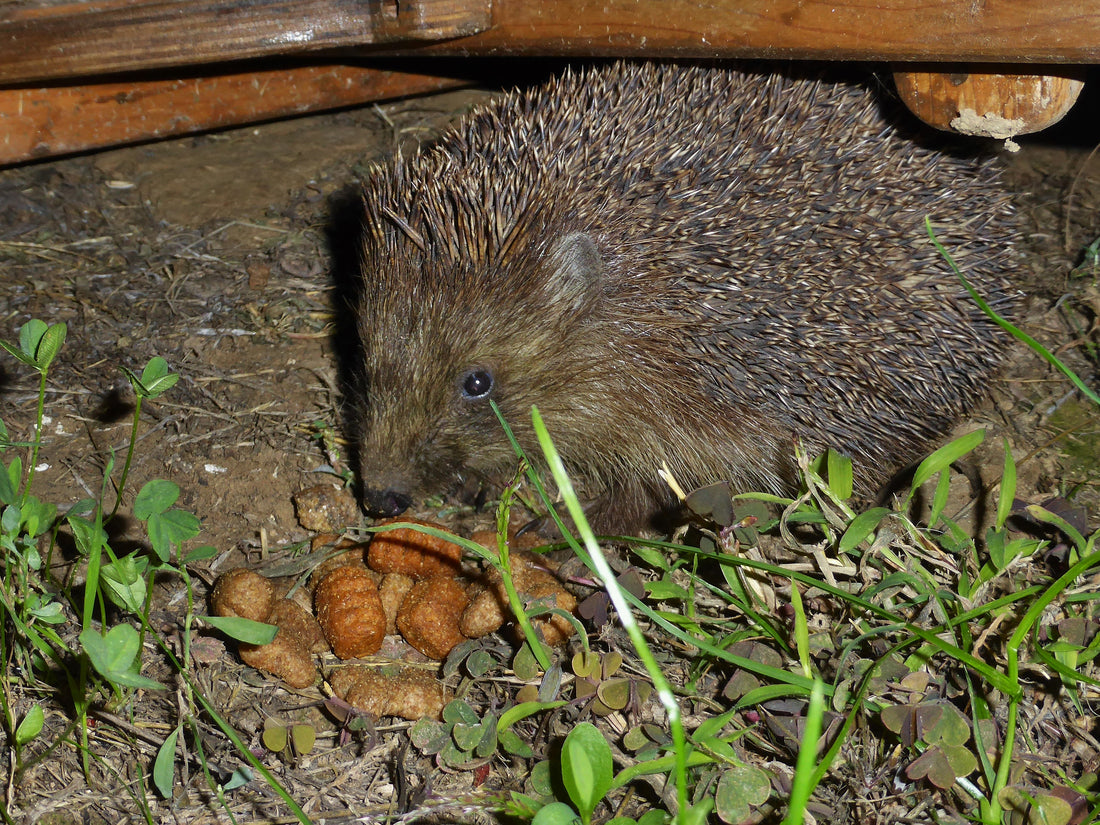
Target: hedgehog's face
[(439, 354)]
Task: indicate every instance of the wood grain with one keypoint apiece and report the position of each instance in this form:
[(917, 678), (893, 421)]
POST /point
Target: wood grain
[(40, 122), (108, 36), (961, 99), (1049, 31)]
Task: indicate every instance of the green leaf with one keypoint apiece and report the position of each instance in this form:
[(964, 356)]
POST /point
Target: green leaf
[(303, 737), (1008, 488), (200, 553), (155, 497), (556, 813), (156, 379), (487, 746), (169, 529), (479, 663), (513, 744), (49, 612), (241, 776), (541, 779), (30, 336), (10, 519), (124, 583), (997, 548), (861, 527), (467, 736), (115, 656), (840, 474), (17, 353), (38, 516), (945, 456), (664, 590), (460, 712), (89, 536), (962, 761), (950, 728), (933, 766), (696, 814), (49, 345), (30, 726), (164, 765), (8, 486), (243, 630), (275, 737), (939, 498), (1040, 809), (740, 789), (586, 768), (430, 736), (524, 664)]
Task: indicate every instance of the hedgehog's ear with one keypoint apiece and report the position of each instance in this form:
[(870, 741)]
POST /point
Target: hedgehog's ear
[(575, 270)]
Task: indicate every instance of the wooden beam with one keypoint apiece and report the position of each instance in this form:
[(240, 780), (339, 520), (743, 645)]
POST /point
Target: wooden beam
[(40, 122), (54, 40), (69, 39), (988, 31)]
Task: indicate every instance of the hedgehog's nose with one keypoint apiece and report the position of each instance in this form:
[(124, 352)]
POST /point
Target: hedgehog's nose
[(385, 502)]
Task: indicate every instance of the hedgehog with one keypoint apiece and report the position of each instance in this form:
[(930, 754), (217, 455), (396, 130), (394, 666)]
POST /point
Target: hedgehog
[(681, 266)]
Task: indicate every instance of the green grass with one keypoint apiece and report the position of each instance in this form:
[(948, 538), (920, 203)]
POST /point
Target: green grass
[(109, 615), (898, 646)]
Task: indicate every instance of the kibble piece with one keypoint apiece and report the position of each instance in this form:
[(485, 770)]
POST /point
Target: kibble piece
[(485, 612), (429, 616), (244, 593), (339, 554), (408, 693), (413, 553), (393, 589), (291, 618), (285, 657), (350, 612), (555, 629), (532, 576)]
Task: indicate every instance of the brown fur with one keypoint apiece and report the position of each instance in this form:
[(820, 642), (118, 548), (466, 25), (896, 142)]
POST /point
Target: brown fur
[(677, 265)]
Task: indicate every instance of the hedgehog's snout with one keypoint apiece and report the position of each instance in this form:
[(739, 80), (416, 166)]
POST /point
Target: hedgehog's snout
[(385, 503)]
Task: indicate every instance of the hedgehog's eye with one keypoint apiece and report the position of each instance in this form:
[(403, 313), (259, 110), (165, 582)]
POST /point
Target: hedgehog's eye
[(477, 384)]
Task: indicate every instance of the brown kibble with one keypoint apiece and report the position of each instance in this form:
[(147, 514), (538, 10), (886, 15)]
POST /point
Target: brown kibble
[(350, 612), (408, 693), (244, 593), (485, 612), (524, 541), (291, 618), (284, 657), (530, 568), (415, 554), (392, 590), (533, 576), (345, 553), (326, 508), (323, 540), (429, 616), (555, 629), (302, 596)]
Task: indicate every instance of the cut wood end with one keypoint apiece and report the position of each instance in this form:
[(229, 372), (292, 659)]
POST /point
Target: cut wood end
[(984, 104)]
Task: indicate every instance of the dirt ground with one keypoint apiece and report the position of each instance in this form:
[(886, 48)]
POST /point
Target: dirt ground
[(215, 252)]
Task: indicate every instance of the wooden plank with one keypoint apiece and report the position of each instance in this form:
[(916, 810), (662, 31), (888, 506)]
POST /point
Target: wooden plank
[(67, 39), (1015, 31), (40, 122), (47, 41)]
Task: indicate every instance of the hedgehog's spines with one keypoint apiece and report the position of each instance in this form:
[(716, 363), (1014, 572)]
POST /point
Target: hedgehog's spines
[(764, 275)]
